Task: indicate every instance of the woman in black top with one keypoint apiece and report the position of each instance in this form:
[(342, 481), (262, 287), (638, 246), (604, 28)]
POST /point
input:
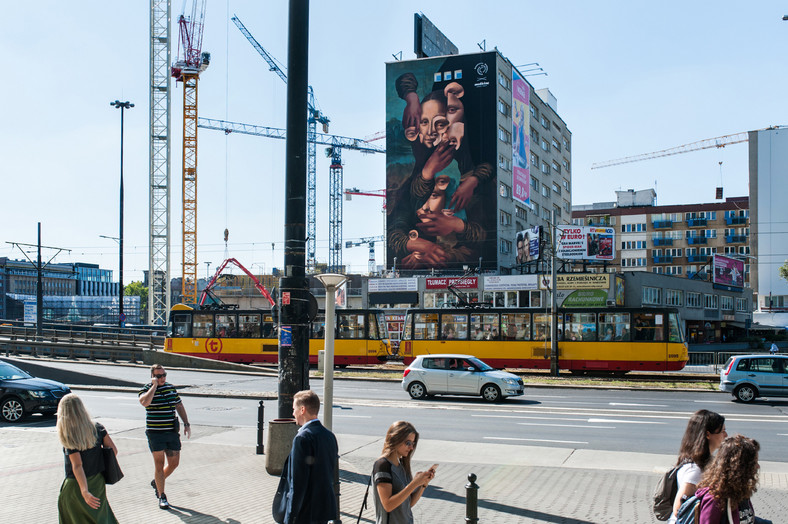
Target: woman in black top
[(83, 495), (396, 489)]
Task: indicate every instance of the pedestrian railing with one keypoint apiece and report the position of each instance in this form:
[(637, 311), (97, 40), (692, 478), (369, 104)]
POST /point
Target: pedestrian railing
[(713, 360)]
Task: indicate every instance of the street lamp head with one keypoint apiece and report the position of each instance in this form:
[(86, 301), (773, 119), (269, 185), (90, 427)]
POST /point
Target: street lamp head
[(330, 280), (118, 104)]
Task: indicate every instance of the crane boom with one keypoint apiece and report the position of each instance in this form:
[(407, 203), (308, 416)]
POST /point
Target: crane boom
[(268, 58), (260, 287)]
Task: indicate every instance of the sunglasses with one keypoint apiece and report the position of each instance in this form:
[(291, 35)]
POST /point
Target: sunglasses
[(410, 443), (160, 375)]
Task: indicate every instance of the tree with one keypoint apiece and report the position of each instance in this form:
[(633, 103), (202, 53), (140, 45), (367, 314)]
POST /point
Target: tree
[(137, 289), (784, 270)]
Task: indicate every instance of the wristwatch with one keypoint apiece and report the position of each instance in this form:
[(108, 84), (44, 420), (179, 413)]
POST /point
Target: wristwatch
[(186, 424)]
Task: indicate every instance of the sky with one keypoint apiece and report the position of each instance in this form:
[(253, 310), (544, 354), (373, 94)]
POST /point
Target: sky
[(630, 77)]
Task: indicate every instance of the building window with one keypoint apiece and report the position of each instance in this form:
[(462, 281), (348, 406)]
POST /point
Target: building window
[(556, 167), (504, 80), (505, 191), (693, 300), (504, 163), (504, 135), (504, 108), (545, 168), (535, 183), (534, 160), (741, 304), (567, 206), (545, 122), (506, 219), (673, 297), (727, 303), (520, 213), (566, 143), (557, 210), (556, 145), (545, 191), (506, 246), (534, 136), (534, 112), (545, 145), (556, 188), (711, 301), (652, 295)]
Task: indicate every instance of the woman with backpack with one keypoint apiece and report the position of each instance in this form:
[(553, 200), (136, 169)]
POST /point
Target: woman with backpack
[(703, 436), (728, 483)]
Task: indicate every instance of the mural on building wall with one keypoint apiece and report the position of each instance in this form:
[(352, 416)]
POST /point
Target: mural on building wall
[(441, 147)]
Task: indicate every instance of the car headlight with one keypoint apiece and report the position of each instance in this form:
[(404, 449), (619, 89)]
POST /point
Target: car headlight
[(511, 381), (38, 394)]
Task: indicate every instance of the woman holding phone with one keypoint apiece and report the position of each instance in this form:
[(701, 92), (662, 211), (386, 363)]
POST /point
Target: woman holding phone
[(396, 489)]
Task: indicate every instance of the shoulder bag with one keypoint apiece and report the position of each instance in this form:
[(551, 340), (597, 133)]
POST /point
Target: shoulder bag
[(112, 472)]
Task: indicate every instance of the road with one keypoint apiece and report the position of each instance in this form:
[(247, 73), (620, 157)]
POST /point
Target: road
[(591, 419)]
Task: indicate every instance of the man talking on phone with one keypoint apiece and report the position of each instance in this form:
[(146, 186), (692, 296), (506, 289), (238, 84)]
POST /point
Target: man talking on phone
[(161, 402)]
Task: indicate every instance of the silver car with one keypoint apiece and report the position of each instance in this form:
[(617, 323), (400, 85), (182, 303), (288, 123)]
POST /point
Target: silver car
[(447, 374), (748, 377)]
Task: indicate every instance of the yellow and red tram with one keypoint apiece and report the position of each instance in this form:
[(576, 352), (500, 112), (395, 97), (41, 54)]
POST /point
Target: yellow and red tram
[(615, 340), (249, 336)]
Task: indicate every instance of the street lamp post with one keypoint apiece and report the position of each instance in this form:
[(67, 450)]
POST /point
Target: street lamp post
[(121, 317), (331, 281)]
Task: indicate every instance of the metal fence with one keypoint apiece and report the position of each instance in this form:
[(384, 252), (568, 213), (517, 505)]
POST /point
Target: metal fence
[(711, 361)]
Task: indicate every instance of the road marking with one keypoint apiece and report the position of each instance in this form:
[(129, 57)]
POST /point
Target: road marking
[(583, 426), (639, 405), (613, 421), (583, 419), (341, 415), (537, 440)]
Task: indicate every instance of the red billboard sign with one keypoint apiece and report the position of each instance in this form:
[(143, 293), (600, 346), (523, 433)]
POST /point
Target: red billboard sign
[(459, 283)]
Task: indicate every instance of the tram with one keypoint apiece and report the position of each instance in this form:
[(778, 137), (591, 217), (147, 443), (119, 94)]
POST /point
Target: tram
[(606, 340), (248, 336)]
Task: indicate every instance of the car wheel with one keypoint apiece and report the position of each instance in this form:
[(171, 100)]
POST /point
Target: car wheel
[(12, 410), (417, 391), (491, 393), (745, 393)]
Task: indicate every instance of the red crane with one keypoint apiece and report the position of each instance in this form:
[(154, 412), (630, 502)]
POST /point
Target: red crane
[(257, 284)]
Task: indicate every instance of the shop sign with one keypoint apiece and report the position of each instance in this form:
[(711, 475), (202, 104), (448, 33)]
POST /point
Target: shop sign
[(581, 298), (386, 285), (459, 283), (581, 281), (511, 282)]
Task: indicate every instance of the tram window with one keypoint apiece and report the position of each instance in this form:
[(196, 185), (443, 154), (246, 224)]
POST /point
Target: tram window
[(350, 326), (248, 326), (374, 333), (407, 333), (426, 327), (203, 325), (536, 299), (485, 327), (268, 327), (454, 326), (674, 335), (580, 326), (318, 329), (182, 325), (226, 326), (645, 327), (541, 326), (616, 324), (516, 326)]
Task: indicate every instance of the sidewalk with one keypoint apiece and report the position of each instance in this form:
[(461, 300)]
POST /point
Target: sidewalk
[(222, 480)]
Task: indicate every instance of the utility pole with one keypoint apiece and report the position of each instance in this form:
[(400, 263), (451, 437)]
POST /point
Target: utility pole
[(121, 316), (294, 290), (553, 312)]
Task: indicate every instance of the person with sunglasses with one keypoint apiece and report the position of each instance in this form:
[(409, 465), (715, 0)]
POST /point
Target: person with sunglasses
[(396, 490), (161, 402)]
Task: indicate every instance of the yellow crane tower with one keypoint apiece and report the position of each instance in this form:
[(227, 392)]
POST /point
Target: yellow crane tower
[(187, 69)]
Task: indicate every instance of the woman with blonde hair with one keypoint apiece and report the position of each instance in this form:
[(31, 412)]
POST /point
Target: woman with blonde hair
[(83, 495), (396, 489)]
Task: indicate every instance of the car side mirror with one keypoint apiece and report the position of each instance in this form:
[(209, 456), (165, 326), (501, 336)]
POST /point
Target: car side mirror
[(471, 368)]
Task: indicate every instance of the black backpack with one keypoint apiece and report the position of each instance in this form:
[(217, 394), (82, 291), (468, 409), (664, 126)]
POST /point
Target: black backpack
[(665, 493)]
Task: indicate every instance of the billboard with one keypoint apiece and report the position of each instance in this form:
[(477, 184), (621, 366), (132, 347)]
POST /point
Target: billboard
[(441, 152), (521, 139), (527, 243), (586, 243), (728, 271)]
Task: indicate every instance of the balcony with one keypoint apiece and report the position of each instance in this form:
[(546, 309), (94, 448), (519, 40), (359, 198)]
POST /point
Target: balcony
[(736, 221), (663, 241), (694, 241), (736, 239), (662, 224), (697, 259), (662, 260), (697, 222)]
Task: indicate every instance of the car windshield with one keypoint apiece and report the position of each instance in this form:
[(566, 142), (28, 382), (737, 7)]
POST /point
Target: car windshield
[(478, 364), (9, 372)]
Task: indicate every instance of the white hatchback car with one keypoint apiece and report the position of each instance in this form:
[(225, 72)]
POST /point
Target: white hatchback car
[(431, 375)]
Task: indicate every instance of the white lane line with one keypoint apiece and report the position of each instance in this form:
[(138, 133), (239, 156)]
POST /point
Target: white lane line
[(525, 417), (340, 415), (638, 405), (614, 421), (583, 426), (537, 440)]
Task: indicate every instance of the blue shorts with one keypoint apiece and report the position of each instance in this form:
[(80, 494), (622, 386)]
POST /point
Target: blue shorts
[(163, 440)]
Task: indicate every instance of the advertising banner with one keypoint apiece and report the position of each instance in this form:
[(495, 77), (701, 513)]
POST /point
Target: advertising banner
[(511, 283), (581, 298), (728, 271), (586, 243), (521, 138), (578, 281), (441, 157), (385, 285), (527, 244), (459, 283)]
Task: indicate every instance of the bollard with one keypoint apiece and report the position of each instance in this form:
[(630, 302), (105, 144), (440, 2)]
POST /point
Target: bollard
[(471, 500), (260, 426)]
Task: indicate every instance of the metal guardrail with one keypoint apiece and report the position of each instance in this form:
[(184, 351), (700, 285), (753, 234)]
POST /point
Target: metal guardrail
[(715, 359)]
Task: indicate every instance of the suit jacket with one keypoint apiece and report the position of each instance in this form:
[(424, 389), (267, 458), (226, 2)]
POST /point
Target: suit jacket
[(310, 497)]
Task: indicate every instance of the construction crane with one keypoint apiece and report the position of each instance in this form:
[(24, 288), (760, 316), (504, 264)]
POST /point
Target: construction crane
[(371, 241), (718, 142), (380, 193), (260, 287), (159, 167), (187, 70), (314, 115)]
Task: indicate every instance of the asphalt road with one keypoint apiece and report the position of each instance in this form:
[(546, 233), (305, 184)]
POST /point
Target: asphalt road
[(593, 419)]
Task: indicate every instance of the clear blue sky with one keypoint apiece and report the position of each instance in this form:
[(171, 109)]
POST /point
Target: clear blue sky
[(630, 78)]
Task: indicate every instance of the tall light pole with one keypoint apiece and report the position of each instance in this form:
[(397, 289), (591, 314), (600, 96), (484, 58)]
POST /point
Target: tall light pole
[(121, 316)]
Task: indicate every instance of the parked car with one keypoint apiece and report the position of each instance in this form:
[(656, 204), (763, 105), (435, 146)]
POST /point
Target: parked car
[(22, 394), (431, 375), (748, 377)]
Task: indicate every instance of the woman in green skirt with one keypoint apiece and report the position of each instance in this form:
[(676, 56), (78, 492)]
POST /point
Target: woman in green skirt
[(83, 495)]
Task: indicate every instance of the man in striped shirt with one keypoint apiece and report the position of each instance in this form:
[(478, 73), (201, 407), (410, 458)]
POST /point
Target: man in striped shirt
[(161, 402)]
